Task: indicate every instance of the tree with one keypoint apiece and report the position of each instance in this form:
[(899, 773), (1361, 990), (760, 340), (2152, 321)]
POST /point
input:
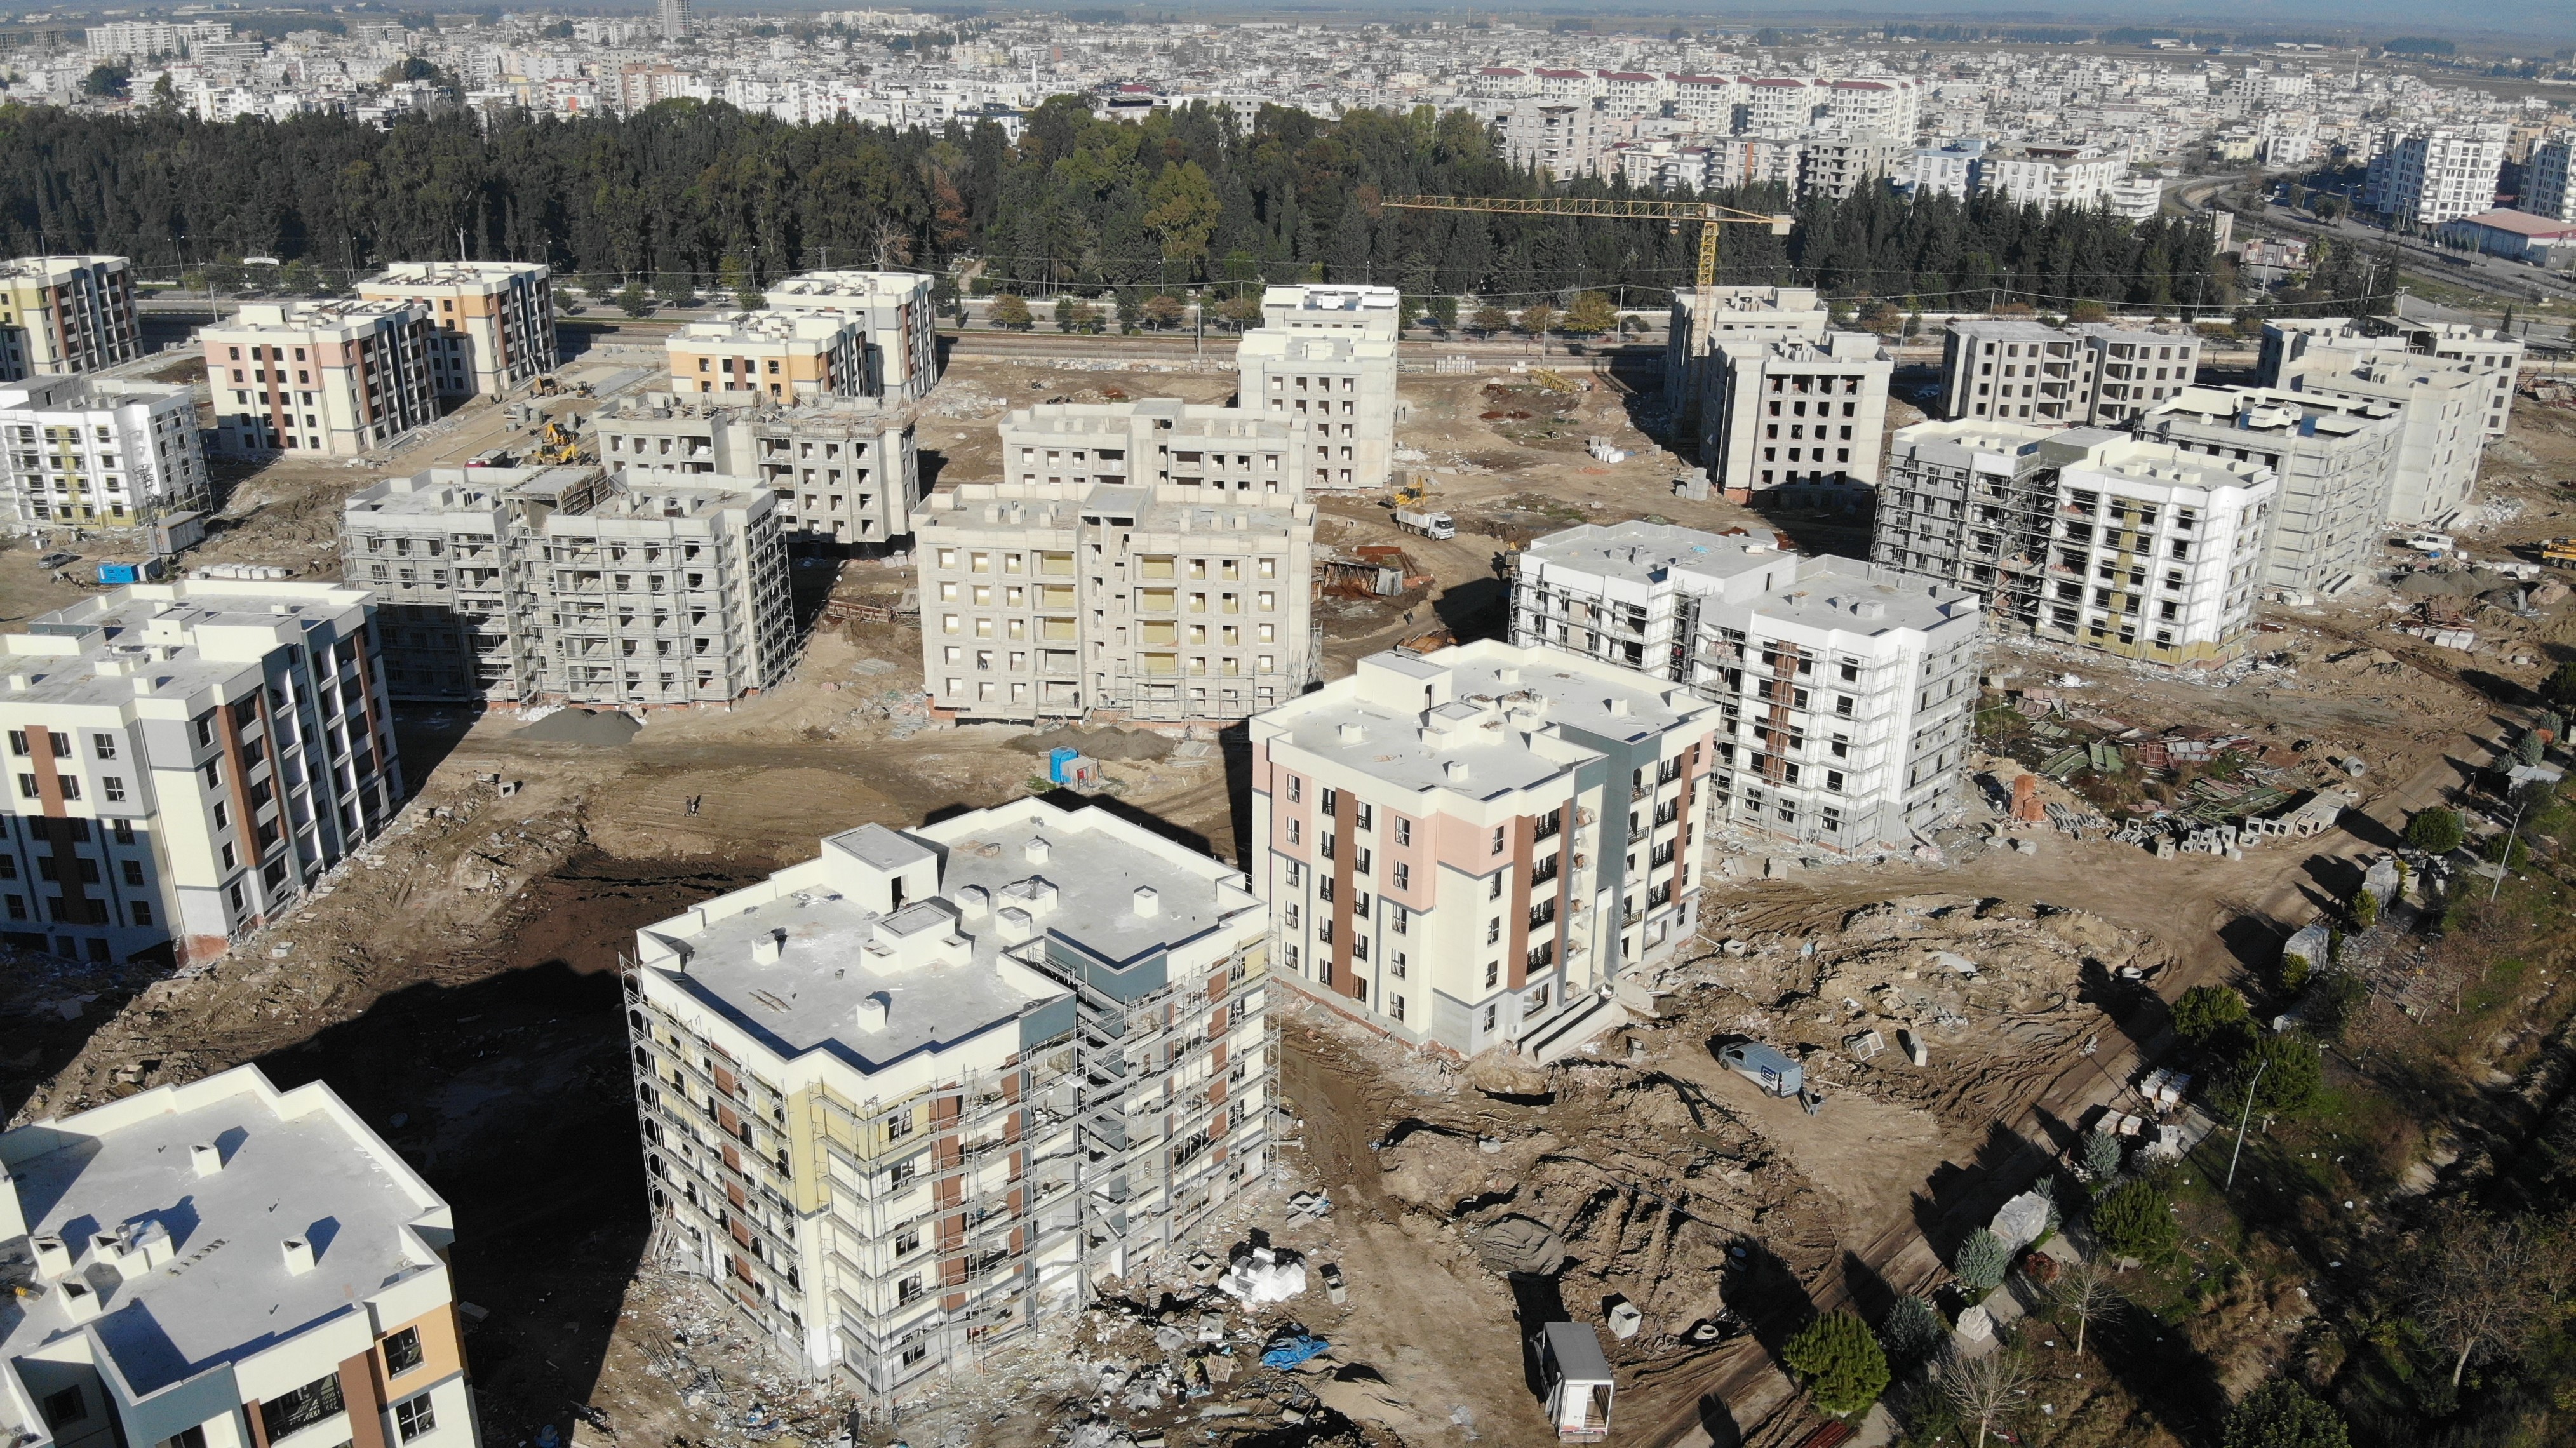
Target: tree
[(165, 96), (2088, 311), (1840, 1362), (107, 82), (1164, 310), (1073, 316), (633, 300), (677, 289), (2086, 1292), (2529, 747), (2365, 910), (2481, 1284), (1182, 210), (1538, 319), (298, 278), (1444, 312), (2282, 1414), (2559, 689), (1591, 315), (2435, 831), (1242, 311), (1010, 310), (738, 279), (1064, 312), (1981, 1264), (2204, 1011), (1911, 1332), (2136, 1221), (1489, 319), (2285, 1072), (2101, 1156), (1986, 1388)]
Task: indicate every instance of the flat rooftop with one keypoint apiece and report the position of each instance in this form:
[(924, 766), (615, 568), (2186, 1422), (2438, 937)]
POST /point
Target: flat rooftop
[(452, 273), (820, 288), (149, 639), (309, 316), (293, 1166), (1641, 552), (1821, 591), (46, 268), (764, 327)]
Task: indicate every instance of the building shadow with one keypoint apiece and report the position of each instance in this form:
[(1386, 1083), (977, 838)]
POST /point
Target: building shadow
[(1536, 1301), (425, 734), (1234, 747), (1476, 609), (1071, 799)]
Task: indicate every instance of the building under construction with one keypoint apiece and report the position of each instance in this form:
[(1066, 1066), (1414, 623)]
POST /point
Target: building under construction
[(906, 1099)]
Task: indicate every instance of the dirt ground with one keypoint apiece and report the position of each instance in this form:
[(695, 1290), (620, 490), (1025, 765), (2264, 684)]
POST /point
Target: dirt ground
[(454, 981)]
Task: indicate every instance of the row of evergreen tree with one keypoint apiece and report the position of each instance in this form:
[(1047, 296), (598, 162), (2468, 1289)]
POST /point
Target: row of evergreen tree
[(1189, 197)]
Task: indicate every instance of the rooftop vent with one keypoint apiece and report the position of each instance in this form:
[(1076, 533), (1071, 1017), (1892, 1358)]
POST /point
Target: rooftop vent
[(1353, 733), (80, 1304), (1617, 706), (299, 1255), (1869, 608), (1456, 769), (973, 901), (1037, 850), (1148, 904), (208, 1158), (53, 1257), (873, 1010), (768, 948)]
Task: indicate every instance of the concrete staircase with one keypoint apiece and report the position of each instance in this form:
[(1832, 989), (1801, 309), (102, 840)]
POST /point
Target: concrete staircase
[(1580, 1021)]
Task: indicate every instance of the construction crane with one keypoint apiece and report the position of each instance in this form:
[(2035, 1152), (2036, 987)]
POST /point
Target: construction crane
[(1674, 214)]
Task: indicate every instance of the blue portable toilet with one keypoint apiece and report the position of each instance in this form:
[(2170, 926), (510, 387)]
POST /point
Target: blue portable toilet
[(1060, 763)]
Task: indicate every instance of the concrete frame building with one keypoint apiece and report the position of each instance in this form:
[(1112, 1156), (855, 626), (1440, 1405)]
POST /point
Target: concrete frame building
[(185, 761), (1560, 137), (907, 1099), (843, 469), (1763, 314), (2442, 404), (1151, 562), (1838, 163), (2334, 459), (2083, 536), (1466, 849), (492, 322), (2435, 175), (1808, 415), (66, 314), (2089, 375), (338, 377), (898, 330), (1846, 689), (561, 584), (1373, 313), (1343, 386), (2549, 178), (771, 356), (98, 452), (329, 1314), (2493, 357)]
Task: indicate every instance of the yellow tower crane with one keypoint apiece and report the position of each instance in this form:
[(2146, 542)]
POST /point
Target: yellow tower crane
[(1674, 214)]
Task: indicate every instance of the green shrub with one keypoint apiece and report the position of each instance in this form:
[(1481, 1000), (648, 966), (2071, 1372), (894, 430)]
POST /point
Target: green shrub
[(2295, 969), (2136, 1221), (2204, 1010), (2436, 831), (2101, 1156), (2292, 1073), (1981, 1264), (1840, 1362), (1912, 1331), (2281, 1414), (2365, 910)]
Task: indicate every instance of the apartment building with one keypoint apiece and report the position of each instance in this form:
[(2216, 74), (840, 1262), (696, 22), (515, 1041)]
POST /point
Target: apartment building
[(2044, 176), (2087, 375), (1807, 415), (2491, 355), (1708, 102), (98, 452), (770, 356), (1372, 313), (66, 314), (1147, 561), (336, 377), (2083, 536), (1837, 164), (1465, 849), (1343, 386), (906, 1099), (1757, 314), (1780, 103), (2549, 179), (566, 585), (1890, 105), (492, 322), (185, 761), (1846, 690), (2436, 174), (843, 469), (1561, 138), (225, 1263), (2333, 459), (898, 329), (2441, 403)]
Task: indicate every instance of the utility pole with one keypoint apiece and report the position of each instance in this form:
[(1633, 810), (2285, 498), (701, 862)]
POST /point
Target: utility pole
[(2241, 1118), (2504, 862)]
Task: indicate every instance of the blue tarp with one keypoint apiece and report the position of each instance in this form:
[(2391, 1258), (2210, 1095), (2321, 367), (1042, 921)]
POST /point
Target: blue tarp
[(1288, 1352)]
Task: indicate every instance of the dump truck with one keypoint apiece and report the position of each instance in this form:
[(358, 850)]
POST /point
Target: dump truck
[(2559, 553), (1429, 525)]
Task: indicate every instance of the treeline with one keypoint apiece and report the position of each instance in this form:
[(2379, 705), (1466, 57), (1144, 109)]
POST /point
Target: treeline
[(696, 192)]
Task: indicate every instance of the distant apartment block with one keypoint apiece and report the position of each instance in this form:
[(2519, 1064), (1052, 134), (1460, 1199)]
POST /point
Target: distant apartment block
[(1559, 137), (905, 1100), (898, 331), (338, 377), (227, 1263), (2087, 375), (1465, 849), (2492, 356), (1150, 561), (185, 760), (492, 322), (98, 452), (2335, 461), (1845, 689), (66, 314), (770, 357), (1805, 415), (1343, 386), (1372, 313), (2046, 176), (564, 585), (2083, 536), (1758, 314), (2549, 178), (1837, 164), (843, 469), (2437, 174)]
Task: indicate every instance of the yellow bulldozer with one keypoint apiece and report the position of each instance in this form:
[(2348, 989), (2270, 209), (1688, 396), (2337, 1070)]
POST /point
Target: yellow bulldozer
[(1412, 490), (557, 444), (2559, 553)]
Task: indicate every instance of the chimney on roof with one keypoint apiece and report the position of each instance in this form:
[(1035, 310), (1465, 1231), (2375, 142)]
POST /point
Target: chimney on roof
[(1456, 770), (299, 1255), (874, 1009), (80, 1304), (973, 901), (1037, 850), (769, 947), (1148, 903), (1618, 706), (208, 1158), (1353, 733), (53, 1257)]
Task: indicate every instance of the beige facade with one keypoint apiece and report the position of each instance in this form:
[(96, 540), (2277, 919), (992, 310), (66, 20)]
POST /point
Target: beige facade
[(1344, 387), (2492, 357), (898, 330), (2334, 459), (78, 452), (2441, 404), (66, 314), (910, 1098), (226, 1265), (770, 357), (1807, 415), (2089, 375), (185, 760), (339, 378), (1466, 849), (1375, 313), (843, 470), (493, 321), (1146, 561), (1736, 314)]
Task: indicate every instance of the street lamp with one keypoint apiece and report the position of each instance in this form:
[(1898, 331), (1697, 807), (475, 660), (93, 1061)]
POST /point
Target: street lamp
[(2241, 1118)]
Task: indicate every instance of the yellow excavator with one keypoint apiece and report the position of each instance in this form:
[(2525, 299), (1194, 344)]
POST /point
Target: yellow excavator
[(557, 445), (1413, 492)]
